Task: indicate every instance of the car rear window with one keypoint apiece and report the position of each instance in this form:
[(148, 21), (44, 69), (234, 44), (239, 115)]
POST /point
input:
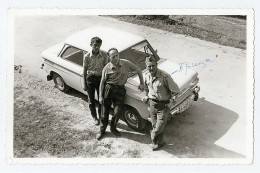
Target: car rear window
[(74, 55)]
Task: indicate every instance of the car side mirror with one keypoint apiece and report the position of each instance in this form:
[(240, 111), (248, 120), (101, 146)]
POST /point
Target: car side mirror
[(156, 50)]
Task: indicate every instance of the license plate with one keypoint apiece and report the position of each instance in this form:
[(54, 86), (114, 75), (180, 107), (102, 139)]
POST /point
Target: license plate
[(184, 105)]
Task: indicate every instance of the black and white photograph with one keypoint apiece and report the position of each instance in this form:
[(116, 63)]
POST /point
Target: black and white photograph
[(169, 86)]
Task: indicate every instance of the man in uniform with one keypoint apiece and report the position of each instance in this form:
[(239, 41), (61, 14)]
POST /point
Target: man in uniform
[(160, 92), (114, 77), (93, 63)]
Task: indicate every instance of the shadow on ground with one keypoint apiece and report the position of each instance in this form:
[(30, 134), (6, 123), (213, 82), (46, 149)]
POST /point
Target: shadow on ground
[(194, 132), (78, 94)]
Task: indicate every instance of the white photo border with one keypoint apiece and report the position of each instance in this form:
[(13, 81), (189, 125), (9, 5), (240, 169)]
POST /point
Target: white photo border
[(12, 13)]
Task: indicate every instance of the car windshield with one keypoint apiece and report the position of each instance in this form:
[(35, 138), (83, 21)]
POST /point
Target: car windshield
[(137, 54)]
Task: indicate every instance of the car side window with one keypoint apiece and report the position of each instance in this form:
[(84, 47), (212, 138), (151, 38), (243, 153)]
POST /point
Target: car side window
[(74, 55)]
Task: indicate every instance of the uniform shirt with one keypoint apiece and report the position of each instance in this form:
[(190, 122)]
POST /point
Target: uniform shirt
[(161, 87), (95, 63), (117, 75)]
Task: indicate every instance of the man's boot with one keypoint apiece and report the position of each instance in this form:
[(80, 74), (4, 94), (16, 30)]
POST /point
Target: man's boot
[(101, 133), (158, 142), (94, 114), (113, 127), (115, 132)]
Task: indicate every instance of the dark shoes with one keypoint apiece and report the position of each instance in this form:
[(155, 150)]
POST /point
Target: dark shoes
[(96, 122), (157, 146), (99, 135), (115, 132)]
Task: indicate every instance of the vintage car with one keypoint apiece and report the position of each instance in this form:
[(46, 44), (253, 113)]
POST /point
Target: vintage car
[(63, 64)]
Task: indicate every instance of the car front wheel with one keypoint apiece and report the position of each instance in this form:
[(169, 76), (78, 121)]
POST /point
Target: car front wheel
[(133, 118), (59, 83)]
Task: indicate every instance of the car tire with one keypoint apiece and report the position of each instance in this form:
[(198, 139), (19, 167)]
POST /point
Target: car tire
[(133, 119), (59, 83)]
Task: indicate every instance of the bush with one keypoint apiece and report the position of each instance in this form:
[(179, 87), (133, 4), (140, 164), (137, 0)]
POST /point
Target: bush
[(153, 17)]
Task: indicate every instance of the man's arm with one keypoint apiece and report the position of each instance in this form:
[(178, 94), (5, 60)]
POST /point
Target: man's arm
[(173, 87), (139, 72), (102, 86), (85, 69), (134, 67), (105, 58), (146, 89), (145, 98)]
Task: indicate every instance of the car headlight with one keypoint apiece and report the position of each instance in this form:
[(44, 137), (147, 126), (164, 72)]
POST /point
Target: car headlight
[(194, 82), (197, 89)]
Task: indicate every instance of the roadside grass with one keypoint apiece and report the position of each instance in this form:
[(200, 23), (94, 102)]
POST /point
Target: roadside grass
[(223, 30), (133, 153), (40, 128), (49, 123)]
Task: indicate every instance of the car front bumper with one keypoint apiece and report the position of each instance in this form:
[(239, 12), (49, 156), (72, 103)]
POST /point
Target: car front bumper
[(185, 104)]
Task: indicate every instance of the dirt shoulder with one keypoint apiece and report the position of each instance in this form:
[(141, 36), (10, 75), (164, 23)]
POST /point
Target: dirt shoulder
[(49, 123)]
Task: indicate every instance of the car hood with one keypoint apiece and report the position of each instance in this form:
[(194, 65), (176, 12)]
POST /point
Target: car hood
[(182, 76)]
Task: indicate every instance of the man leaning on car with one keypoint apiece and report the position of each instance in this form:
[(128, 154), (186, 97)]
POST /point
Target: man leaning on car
[(114, 77), (160, 91), (93, 63)]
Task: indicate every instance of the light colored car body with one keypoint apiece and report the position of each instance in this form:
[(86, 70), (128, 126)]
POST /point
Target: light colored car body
[(66, 58)]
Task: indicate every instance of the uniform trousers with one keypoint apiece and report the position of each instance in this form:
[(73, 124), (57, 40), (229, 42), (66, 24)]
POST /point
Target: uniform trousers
[(159, 117), (93, 83), (113, 94)]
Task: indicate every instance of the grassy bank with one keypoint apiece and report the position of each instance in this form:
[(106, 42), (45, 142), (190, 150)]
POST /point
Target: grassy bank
[(228, 31)]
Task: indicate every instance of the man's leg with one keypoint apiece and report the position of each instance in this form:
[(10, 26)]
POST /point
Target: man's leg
[(97, 83), (92, 106), (153, 115), (91, 95), (104, 117), (117, 113), (157, 133)]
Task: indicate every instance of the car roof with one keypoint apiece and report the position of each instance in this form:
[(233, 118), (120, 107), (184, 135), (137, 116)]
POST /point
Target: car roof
[(110, 38)]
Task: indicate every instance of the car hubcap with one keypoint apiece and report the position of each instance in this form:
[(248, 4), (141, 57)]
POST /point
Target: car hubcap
[(59, 82), (131, 118)]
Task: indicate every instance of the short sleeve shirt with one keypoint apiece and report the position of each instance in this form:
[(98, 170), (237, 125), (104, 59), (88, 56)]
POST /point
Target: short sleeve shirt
[(117, 75), (161, 86), (95, 63)]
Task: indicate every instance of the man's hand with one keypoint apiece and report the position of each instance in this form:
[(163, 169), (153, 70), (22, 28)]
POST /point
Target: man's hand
[(141, 87), (169, 105), (90, 72), (145, 99), (101, 100)]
